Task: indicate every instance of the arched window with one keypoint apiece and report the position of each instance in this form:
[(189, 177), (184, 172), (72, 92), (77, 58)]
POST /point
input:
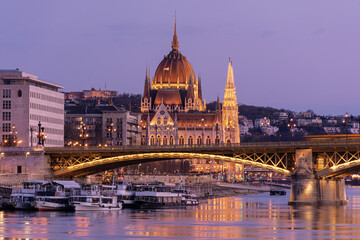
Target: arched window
[(217, 140), (190, 140), (172, 140), (158, 140), (158, 121), (165, 141), (181, 140), (199, 140), (143, 140), (208, 140), (228, 141), (152, 140), (165, 121)]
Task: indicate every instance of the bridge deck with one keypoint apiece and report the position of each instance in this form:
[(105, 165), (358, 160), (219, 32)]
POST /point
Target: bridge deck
[(257, 147)]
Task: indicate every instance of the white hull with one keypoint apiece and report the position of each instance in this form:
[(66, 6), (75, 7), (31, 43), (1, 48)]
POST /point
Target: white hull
[(95, 207), (47, 206), (22, 205)]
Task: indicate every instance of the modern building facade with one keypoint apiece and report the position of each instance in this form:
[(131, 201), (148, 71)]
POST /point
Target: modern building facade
[(26, 102)]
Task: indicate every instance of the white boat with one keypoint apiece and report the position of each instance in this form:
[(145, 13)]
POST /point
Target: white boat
[(125, 193), (23, 198), (92, 198), (187, 198), (156, 196), (55, 196)]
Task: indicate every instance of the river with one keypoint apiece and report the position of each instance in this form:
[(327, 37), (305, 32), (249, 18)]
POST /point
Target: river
[(248, 217)]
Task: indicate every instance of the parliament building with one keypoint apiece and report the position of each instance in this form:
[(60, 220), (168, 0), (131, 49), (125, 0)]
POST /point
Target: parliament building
[(174, 111)]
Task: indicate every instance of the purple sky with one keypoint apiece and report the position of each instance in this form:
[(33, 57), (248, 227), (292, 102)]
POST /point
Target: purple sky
[(297, 55)]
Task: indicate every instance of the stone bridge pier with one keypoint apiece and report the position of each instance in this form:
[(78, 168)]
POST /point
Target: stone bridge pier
[(308, 189)]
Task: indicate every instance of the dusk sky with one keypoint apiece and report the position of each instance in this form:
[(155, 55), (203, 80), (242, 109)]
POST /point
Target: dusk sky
[(296, 55)]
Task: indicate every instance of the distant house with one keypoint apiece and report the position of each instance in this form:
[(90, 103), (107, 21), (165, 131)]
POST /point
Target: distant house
[(332, 130), (281, 116)]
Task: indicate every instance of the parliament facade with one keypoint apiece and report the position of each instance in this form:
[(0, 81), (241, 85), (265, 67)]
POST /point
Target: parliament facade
[(174, 111)]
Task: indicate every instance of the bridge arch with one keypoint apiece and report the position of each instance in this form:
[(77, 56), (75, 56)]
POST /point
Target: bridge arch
[(341, 170), (100, 165)]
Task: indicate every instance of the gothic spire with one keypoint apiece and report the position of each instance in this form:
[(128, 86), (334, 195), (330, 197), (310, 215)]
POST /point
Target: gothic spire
[(230, 76), (175, 42), (199, 88), (230, 111), (190, 90), (147, 85), (218, 106)]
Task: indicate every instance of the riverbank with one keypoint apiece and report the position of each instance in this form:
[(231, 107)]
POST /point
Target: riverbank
[(220, 191)]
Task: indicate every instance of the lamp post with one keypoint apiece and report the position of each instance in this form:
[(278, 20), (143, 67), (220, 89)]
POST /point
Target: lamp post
[(83, 135), (265, 125), (203, 130), (13, 138), (291, 125), (346, 121), (111, 131), (31, 135), (41, 134), (139, 165)]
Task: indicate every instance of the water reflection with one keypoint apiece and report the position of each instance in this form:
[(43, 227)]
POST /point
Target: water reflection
[(253, 216)]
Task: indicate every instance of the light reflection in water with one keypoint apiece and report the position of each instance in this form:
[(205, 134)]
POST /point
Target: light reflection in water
[(253, 216)]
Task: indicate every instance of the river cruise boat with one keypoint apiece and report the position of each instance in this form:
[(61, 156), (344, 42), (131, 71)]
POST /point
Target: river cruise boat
[(55, 196), (156, 196), (23, 198), (125, 193), (95, 198), (187, 198)]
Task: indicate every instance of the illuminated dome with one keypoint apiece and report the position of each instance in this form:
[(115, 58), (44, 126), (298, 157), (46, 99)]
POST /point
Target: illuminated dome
[(174, 71)]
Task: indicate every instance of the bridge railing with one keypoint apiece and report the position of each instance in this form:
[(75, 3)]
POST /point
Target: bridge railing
[(293, 144)]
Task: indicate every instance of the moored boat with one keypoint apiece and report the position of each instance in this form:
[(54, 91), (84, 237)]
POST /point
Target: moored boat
[(187, 198), (125, 193), (92, 198), (23, 198), (55, 196), (156, 196)]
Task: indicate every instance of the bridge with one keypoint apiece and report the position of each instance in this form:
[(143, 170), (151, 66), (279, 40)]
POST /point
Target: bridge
[(329, 158), (317, 168)]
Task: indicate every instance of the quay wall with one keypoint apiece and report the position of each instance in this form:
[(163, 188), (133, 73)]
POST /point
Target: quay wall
[(18, 164)]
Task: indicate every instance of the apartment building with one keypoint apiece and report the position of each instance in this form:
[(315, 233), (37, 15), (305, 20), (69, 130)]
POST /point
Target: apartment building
[(26, 102)]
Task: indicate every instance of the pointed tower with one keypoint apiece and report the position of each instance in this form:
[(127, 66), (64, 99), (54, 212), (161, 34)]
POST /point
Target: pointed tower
[(230, 111), (190, 98), (175, 42), (199, 89), (146, 99)]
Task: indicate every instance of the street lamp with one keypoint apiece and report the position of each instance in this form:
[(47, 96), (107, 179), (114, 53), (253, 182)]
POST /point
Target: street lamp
[(111, 131), (139, 165), (265, 125), (83, 135), (41, 134), (346, 121), (292, 125), (203, 130)]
